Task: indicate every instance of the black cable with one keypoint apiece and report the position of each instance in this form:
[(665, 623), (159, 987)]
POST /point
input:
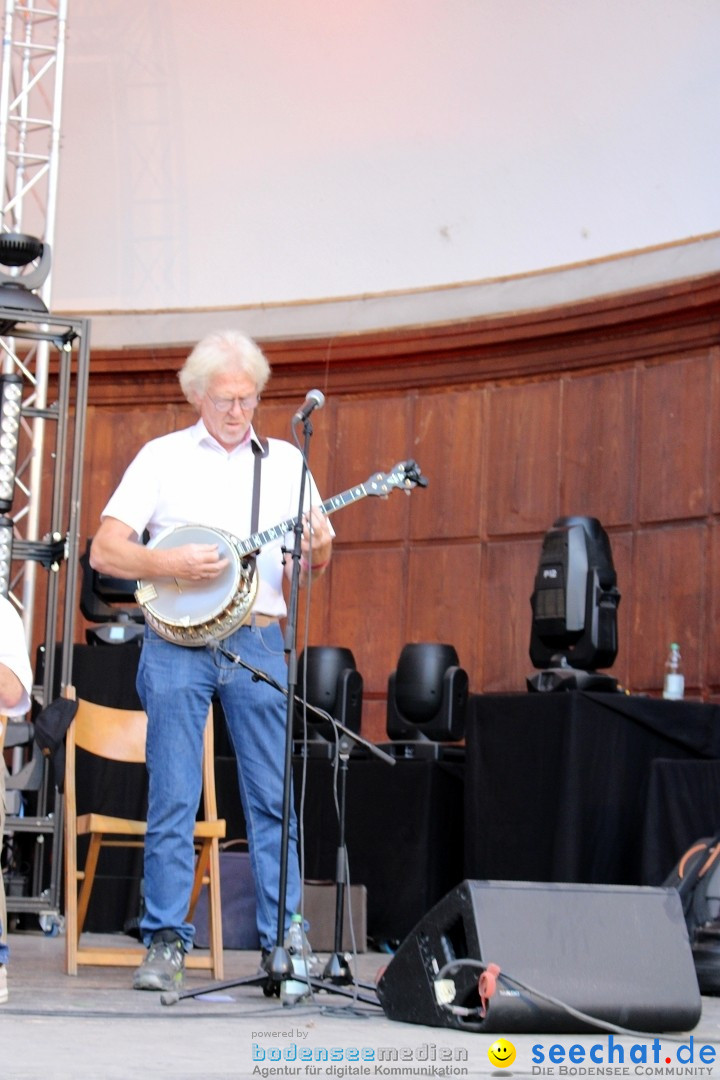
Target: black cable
[(616, 1029)]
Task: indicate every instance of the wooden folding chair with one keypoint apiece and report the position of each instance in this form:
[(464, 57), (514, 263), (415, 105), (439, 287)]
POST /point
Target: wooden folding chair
[(119, 735)]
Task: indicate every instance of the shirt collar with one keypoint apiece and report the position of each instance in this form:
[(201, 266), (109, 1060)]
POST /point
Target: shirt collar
[(201, 435)]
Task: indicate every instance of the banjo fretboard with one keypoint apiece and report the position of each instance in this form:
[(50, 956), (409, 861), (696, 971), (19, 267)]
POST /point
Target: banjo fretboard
[(405, 475)]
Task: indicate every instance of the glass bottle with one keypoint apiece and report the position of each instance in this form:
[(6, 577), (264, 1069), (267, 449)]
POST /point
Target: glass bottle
[(674, 684), (294, 990)]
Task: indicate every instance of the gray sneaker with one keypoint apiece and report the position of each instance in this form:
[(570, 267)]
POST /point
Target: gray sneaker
[(163, 967)]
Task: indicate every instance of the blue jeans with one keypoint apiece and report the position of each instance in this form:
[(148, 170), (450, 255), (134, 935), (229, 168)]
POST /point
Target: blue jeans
[(175, 684)]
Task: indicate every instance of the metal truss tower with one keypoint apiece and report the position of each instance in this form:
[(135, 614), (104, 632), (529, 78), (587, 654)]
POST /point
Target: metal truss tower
[(31, 79), (51, 357)]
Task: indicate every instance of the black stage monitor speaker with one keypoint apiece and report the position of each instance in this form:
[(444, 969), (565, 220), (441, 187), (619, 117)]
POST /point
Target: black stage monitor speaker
[(617, 953)]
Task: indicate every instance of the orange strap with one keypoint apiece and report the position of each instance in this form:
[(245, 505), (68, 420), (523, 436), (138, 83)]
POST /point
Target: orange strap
[(487, 985), (712, 856)]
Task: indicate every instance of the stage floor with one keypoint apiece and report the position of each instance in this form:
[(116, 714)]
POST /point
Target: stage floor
[(95, 1026)]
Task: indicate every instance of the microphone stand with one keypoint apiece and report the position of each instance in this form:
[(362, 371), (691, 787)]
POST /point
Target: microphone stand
[(279, 963), (337, 969)]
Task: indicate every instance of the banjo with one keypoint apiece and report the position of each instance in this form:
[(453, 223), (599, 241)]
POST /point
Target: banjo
[(195, 612)]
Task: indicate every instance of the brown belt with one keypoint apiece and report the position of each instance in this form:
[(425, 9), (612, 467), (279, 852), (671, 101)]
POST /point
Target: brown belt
[(264, 620)]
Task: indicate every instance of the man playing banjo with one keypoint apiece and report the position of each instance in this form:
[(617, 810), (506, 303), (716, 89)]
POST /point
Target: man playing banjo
[(216, 474)]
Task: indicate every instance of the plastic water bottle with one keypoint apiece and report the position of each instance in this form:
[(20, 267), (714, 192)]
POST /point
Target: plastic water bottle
[(294, 990), (674, 685)]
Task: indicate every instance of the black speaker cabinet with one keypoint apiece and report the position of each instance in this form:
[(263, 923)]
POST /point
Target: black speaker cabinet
[(616, 953)]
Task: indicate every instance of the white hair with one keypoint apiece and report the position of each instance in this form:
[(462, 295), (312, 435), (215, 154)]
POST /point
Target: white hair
[(226, 351)]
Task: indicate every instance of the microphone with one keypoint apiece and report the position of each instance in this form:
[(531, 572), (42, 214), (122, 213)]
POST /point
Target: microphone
[(315, 399)]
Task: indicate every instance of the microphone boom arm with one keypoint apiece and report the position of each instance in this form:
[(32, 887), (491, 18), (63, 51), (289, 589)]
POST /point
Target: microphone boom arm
[(262, 676)]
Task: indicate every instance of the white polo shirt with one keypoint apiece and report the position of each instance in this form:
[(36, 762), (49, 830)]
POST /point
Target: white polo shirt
[(187, 478)]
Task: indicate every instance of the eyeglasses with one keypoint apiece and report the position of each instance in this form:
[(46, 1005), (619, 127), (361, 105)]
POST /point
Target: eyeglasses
[(225, 404)]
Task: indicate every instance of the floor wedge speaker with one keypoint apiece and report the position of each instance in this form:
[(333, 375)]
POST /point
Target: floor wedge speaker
[(617, 953)]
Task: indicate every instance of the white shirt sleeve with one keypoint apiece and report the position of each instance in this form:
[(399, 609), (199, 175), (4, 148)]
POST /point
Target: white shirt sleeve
[(136, 496), (14, 654)]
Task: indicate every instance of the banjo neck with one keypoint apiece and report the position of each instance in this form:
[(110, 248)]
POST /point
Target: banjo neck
[(405, 476)]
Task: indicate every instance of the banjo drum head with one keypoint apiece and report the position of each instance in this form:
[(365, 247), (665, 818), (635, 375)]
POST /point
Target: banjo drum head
[(183, 603)]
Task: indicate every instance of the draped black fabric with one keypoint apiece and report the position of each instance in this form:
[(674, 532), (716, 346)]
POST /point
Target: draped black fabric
[(403, 832), (557, 785), (104, 674), (404, 836), (683, 805)]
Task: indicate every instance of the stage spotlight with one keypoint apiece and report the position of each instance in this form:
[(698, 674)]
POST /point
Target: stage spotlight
[(574, 606), (427, 698), (328, 679), (111, 602), (17, 250), (6, 544), (10, 405)]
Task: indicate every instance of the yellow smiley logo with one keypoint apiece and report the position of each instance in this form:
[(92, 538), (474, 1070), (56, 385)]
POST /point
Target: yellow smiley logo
[(501, 1053)]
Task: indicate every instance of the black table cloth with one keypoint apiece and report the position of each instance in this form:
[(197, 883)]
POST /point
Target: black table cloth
[(557, 784)]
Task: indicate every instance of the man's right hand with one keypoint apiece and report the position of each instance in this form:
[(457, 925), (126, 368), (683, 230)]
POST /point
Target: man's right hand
[(194, 562)]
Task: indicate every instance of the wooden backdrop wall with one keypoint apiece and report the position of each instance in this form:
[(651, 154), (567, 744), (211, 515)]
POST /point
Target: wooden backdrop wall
[(607, 408)]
